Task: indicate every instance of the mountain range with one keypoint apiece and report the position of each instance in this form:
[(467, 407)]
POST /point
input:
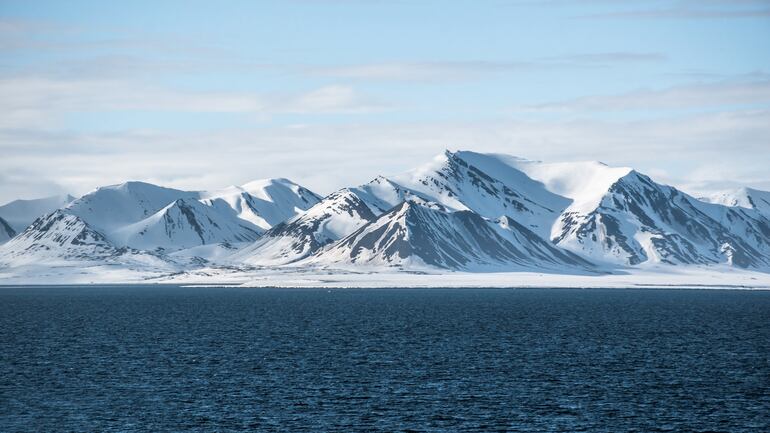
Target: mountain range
[(462, 211)]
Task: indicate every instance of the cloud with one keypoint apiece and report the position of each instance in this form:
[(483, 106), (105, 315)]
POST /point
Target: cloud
[(332, 99), (461, 70), (720, 94), (419, 71), (20, 183), (330, 156), (610, 58), (688, 9), (72, 53), (38, 102)]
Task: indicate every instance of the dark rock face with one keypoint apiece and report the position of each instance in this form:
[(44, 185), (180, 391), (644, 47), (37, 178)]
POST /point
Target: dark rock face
[(308, 233), (187, 214), (460, 240), (679, 229), (460, 170), (66, 236), (305, 229), (6, 232)]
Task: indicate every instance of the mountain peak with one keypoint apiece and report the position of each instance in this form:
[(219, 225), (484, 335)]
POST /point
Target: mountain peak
[(132, 185), (744, 197), (266, 182), (19, 214), (272, 189)]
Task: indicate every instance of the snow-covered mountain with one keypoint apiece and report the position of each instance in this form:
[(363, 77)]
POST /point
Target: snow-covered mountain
[(747, 198), (264, 203), (640, 221), (620, 216), (463, 211), (184, 223), (610, 216), (485, 184), (61, 238), (449, 181), (334, 217), (145, 216), (19, 214), (138, 216), (111, 207), (420, 234)]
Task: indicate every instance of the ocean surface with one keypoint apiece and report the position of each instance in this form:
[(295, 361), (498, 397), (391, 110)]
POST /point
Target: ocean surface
[(138, 358)]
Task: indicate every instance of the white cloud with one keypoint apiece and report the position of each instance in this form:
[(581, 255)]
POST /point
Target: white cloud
[(418, 71), (326, 157), (332, 99), (39, 102), (706, 95), (469, 69)]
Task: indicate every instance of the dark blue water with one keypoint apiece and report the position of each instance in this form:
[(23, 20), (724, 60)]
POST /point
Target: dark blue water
[(212, 359)]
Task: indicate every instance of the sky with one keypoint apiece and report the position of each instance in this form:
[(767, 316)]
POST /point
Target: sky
[(331, 93)]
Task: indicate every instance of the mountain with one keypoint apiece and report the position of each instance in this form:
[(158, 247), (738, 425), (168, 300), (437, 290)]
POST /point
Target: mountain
[(622, 216), (747, 198), (484, 184), (449, 181), (462, 211), (21, 213), (640, 220), (112, 207), (334, 217), (264, 203), (414, 234), (611, 216), (145, 216), (62, 238), (185, 223), (6, 231), (136, 216), (261, 203)]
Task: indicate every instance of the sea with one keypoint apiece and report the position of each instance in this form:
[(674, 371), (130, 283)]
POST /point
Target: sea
[(203, 359)]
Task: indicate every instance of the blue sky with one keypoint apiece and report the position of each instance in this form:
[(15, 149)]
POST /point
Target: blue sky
[(333, 92)]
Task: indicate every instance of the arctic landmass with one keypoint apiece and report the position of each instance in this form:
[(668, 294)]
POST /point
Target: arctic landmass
[(462, 219)]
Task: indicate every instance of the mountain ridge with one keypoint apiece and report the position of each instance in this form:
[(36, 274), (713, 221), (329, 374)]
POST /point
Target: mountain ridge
[(20, 213), (461, 211)]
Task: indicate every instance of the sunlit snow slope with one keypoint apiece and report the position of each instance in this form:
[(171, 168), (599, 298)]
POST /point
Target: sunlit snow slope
[(461, 211)]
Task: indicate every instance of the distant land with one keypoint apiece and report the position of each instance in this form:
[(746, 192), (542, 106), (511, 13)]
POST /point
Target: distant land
[(462, 219)]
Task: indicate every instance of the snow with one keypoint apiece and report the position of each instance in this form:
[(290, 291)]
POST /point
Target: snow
[(660, 276), (747, 198), (148, 217), (558, 224), (184, 223), (334, 217), (416, 234), (112, 207), (21, 213), (264, 202), (585, 183), (210, 252), (690, 277)]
